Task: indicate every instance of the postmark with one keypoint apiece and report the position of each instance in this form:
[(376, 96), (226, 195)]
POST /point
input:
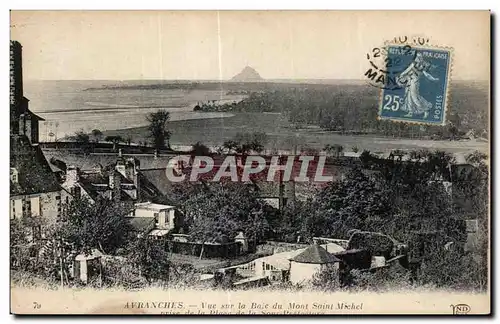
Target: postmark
[(382, 69), (418, 92)]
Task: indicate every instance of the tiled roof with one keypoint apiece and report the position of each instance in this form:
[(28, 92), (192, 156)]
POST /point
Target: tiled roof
[(154, 180), (87, 162), (315, 254), (34, 173)]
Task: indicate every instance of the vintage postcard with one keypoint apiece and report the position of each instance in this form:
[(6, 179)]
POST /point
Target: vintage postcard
[(250, 162)]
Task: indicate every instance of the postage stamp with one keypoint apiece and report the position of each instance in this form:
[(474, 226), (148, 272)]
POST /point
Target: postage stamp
[(416, 93)]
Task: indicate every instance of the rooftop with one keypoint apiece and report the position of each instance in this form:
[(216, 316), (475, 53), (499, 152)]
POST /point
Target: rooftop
[(281, 260), (315, 254), (94, 254), (35, 175), (152, 206), (142, 224)]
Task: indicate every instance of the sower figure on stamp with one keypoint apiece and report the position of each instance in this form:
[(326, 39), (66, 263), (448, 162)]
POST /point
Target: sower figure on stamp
[(413, 102)]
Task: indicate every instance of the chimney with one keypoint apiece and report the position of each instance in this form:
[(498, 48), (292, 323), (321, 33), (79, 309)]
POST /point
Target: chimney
[(14, 175), (71, 176), (27, 125), (120, 167), (132, 171), (115, 185), (21, 125)]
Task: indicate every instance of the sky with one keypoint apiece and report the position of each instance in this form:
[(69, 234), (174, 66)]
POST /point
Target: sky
[(212, 45)]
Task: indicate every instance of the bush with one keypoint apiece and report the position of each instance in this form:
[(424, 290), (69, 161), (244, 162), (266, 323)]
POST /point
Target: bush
[(327, 279), (383, 279), (453, 269)]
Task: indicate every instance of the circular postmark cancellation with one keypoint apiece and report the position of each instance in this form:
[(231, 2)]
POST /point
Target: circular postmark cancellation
[(387, 61), (413, 77)]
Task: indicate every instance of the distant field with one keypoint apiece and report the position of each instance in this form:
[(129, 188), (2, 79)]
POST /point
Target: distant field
[(284, 136)]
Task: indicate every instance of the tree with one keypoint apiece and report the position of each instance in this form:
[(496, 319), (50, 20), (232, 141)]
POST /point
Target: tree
[(358, 202), (219, 213), (97, 134), (115, 139), (336, 149), (477, 158), (326, 279), (151, 257), (244, 143), (401, 197), (200, 149), (257, 141), (367, 159), (19, 242), (81, 137), (230, 146), (89, 225), (83, 140), (128, 140), (158, 128)]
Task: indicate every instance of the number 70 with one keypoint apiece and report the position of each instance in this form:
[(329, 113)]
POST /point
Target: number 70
[(392, 103)]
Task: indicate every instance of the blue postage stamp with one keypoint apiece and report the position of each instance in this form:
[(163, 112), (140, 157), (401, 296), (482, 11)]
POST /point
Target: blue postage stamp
[(416, 85)]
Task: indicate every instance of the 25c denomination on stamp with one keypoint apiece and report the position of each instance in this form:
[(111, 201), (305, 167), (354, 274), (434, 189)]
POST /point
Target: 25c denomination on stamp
[(419, 92)]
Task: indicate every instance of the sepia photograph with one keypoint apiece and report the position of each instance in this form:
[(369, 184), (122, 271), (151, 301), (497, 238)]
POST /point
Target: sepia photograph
[(250, 162)]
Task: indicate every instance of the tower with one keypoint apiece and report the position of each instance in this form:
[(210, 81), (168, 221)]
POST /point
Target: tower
[(22, 120), (16, 84)]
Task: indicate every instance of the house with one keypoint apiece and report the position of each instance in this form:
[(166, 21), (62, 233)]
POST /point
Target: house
[(109, 176), (117, 181), (311, 261), (34, 190), (152, 219), (277, 267)]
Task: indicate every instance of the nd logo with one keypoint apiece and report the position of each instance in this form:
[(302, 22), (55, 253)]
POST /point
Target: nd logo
[(460, 309)]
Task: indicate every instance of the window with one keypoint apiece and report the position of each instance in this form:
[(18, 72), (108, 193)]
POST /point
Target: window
[(37, 232), (27, 207), (75, 191), (35, 206)]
